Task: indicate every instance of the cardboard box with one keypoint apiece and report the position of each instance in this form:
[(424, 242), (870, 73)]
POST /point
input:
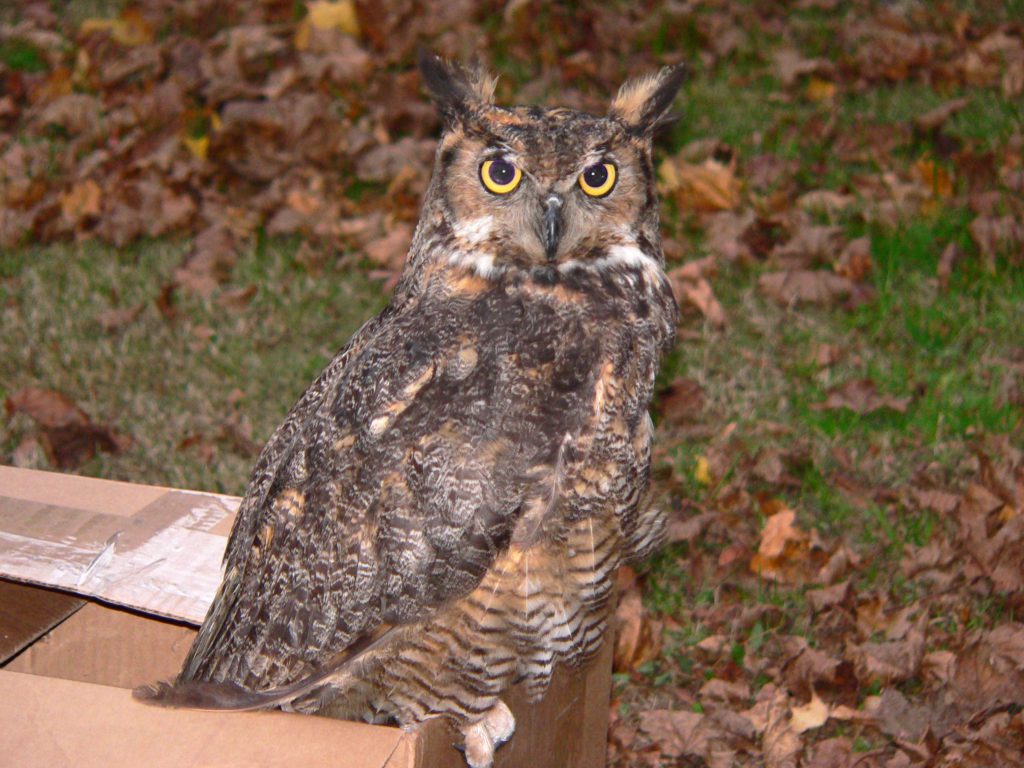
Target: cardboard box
[(126, 573)]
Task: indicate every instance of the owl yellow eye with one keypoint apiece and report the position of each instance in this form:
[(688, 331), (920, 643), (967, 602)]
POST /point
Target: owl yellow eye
[(598, 179), (500, 176)]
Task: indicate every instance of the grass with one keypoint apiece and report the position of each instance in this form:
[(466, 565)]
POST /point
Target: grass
[(211, 369)]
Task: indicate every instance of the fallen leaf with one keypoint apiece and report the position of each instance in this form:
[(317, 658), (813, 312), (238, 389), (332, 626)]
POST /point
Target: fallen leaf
[(820, 90), (937, 117), (936, 179), (809, 246), (783, 552), (889, 662), (861, 396), (709, 186), (682, 401), (337, 15), (676, 733), (118, 317), (790, 65), (826, 201), (950, 255), (726, 232), (855, 261), (68, 435), (804, 286), (996, 235), (80, 202), (942, 502), (637, 637), (829, 597), (700, 295), (209, 262), (390, 250), (130, 28), (702, 471), (780, 741), (813, 714), (237, 298)]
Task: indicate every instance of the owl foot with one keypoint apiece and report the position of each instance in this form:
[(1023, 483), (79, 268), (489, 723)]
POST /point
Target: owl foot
[(481, 738)]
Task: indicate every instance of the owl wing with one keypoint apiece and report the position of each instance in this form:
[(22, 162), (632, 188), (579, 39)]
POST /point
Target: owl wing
[(395, 483)]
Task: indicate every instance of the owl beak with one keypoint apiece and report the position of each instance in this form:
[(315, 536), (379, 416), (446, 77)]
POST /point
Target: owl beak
[(552, 205)]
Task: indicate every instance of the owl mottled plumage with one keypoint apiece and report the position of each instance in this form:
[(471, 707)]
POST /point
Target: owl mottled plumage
[(441, 514)]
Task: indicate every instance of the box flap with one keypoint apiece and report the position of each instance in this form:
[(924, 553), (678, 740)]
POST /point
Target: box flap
[(27, 613), (154, 549), (48, 722)]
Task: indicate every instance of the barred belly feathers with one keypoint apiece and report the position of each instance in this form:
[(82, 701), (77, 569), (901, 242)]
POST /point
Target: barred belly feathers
[(441, 514)]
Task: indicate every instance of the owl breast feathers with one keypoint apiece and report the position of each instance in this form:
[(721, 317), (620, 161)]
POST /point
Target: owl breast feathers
[(441, 514)]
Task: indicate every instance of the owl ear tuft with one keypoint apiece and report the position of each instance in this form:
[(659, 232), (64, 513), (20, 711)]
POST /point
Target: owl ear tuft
[(458, 90), (642, 103)]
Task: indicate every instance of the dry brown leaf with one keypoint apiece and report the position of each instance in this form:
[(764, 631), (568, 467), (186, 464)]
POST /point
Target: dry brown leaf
[(326, 15), (116, 318), (129, 29), (813, 714), (992, 532), (989, 672), (783, 553), (237, 298), (820, 90), (390, 250), (790, 66), (807, 668), (677, 733), (804, 286), (725, 235), (781, 742), (826, 201), (209, 263), (68, 435), (855, 260), (889, 662), (709, 186), (950, 255), (80, 202), (682, 401), (937, 117), (942, 502), (829, 597), (936, 179), (809, 246), (700, 295), (723, 690), (995, 235), (46, 407), (637, 636), (861, 396)]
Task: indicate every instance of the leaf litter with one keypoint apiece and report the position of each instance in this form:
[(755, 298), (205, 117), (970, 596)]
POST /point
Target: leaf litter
[(170, 119)]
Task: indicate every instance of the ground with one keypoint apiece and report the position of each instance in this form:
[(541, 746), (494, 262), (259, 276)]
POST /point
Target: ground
[(201, 201)]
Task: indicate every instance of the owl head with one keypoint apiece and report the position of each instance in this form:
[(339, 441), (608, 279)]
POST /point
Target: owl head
[(534, 188)]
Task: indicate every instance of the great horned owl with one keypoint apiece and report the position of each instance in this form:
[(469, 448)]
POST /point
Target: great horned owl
[(441, 514)]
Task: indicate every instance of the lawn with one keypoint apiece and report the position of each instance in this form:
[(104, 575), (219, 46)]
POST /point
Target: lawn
[(840, 424)]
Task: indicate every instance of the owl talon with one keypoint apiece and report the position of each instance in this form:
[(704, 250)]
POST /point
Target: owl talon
[(478, 745), (500, 723), (481, 738)]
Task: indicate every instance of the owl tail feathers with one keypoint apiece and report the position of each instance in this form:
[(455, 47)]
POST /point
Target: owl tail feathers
[(196, 694), (232, 697)]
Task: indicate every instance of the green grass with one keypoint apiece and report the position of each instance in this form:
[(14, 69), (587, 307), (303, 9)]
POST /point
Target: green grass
[(21, 56), (949, 351), (161, 381)]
